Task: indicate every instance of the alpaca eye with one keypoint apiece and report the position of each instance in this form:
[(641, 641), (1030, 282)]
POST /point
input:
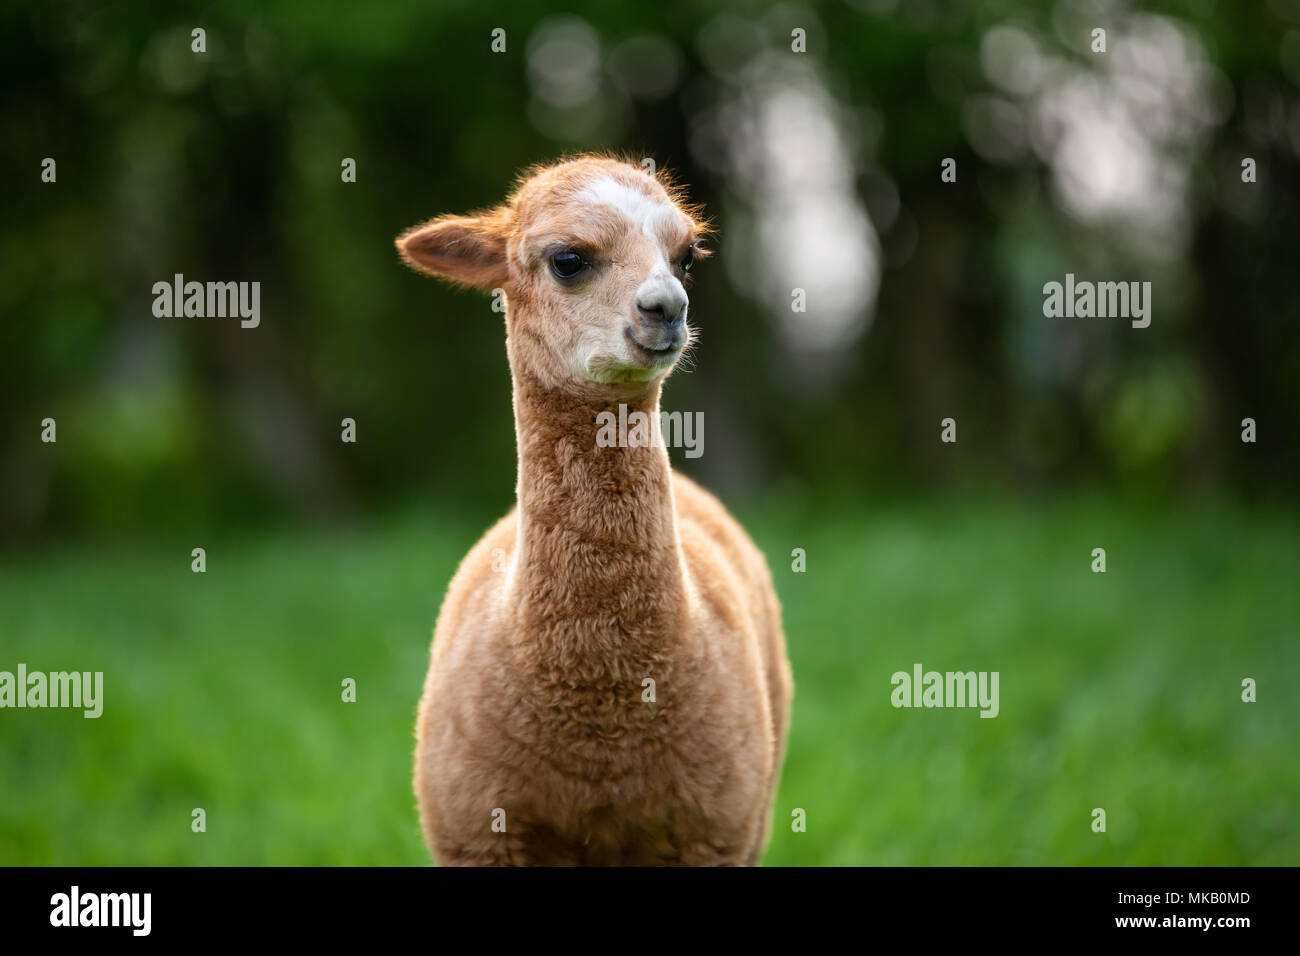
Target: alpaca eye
[(688, 260), (567, 264)]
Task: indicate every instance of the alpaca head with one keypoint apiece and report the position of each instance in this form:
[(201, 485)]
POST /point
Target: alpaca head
[(593, 255)]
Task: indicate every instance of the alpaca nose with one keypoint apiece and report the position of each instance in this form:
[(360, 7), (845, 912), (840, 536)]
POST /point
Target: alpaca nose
[(663, 302)]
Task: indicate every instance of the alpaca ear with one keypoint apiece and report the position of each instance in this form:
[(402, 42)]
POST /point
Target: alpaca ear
[(470, 250)]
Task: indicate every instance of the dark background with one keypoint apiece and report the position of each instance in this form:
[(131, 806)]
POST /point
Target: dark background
[(226, 166)]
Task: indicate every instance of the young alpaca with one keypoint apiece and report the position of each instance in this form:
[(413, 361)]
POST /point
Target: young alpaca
[(536, 743)]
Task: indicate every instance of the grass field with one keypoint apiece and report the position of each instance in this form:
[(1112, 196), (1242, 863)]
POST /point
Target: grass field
[(1119, 690)]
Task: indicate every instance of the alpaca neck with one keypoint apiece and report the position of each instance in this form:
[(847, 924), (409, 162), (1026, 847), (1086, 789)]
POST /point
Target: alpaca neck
[(598, 580)]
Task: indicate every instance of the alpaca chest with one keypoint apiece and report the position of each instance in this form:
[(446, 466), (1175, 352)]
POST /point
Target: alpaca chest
[(632, 781), (645, 803)]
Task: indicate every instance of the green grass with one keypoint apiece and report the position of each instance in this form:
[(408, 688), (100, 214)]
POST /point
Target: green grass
[(1117, 690)]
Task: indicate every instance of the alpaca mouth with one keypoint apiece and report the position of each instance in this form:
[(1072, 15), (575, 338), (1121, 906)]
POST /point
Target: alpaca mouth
[(661, 355)]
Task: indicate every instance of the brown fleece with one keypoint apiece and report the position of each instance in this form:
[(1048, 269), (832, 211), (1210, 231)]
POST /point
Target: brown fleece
[(535, 745)]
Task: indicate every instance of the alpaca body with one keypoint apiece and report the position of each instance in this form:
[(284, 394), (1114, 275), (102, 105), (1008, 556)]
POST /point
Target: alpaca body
[(587, 773), (612, 581)]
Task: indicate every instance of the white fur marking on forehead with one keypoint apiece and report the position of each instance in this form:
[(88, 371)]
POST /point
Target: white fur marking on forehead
[(640, 209)]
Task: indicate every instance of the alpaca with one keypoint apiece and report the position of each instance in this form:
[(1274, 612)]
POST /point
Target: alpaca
[(608, 682)]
